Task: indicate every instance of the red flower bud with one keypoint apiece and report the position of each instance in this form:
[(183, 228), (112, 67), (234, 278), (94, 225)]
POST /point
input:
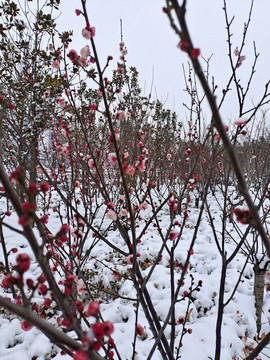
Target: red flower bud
[(25, 325), (98, 329), (24, 220), (93, 309), (27, 207), (108, 328), (80, 355), (43, 289), (18, 174), (195, 53), (184, 46), (8, 281), (44, 187), (23, 263), (33, 190), (139, 329)]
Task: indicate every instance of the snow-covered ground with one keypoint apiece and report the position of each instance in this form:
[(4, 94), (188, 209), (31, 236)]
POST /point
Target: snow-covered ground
[(200, 308)]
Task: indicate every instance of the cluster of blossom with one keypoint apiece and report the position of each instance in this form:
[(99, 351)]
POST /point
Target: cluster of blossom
[(244, 216), (123, 50), (241, 58), (94, 337), (186, 47), (18, 175), (23, 264), (88, 33), (141, 161)]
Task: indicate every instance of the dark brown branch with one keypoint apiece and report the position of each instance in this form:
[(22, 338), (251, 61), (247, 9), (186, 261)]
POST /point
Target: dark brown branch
[(56, 336)]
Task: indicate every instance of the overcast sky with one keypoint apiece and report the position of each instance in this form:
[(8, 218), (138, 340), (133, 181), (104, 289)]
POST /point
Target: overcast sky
[(152, 44)]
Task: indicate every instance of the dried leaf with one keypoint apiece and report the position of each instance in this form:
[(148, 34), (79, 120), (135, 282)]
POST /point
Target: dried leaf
[(188, 314)]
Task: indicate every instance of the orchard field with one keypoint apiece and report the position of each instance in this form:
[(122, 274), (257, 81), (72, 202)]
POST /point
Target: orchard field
[(127, 230)]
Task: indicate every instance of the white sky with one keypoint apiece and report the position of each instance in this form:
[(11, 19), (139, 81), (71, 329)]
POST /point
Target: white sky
[(152, 44)]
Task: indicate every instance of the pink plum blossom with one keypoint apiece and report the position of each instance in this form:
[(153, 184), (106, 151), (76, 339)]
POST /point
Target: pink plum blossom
[(126, 155), (130, 170), (141, 165), (112, 158), (236, 52), (116, 134), (81, 286), (88, 33), (111, 215), (121, 45), (120, 70), (143, 135), (120, 116), (143, 206), (240, 61), (56, 64), (82, 62), (39, 170), (173, 235), (85, 52), (65, 149), (47, 93), (240, 121), (129, 259), (91, 163), (73, 55), (123, 212), (76, 233), (61, 102), (110, 205), (180, 320), (145, 151)]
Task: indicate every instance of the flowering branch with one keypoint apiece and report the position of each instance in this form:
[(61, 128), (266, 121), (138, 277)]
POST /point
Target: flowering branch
[(187, 46)]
